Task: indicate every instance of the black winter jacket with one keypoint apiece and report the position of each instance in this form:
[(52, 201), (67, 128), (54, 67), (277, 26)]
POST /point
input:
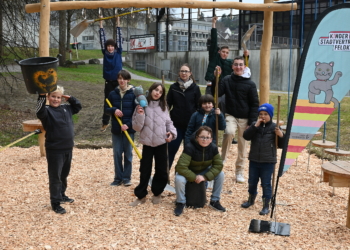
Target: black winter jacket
[(58, 123), (263, 146), (241, 97), (126, 104), (182, 104)]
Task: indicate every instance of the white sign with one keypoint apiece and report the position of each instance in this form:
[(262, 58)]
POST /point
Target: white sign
[(139, 42)]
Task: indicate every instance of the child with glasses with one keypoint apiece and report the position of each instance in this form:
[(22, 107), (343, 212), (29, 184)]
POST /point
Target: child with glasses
[(200, 161), (263, 155), (206, 115), (182, 101)]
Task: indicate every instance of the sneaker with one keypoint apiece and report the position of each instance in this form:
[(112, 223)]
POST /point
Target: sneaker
[(104, 127), (66, 199), (138, 202), (116, 183), (217, 206), (127, 183), (179, 208), (56, 207), (234, 141), (240, 178), (156, 199)]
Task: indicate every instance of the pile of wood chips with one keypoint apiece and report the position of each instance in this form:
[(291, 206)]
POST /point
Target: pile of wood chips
[(100, 217)]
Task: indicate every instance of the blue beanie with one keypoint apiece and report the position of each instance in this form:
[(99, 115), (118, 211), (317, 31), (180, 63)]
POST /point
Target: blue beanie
[(266, 107)]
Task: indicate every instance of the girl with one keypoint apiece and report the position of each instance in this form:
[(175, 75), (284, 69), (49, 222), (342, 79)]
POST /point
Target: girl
[(156, 129), (263, 155), (182, 100)]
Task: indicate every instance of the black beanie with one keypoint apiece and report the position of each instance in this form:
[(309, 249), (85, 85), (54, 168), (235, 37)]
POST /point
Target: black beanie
[(110, 42)]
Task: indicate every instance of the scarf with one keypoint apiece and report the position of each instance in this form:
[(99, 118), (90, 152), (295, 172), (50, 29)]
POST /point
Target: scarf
[(184, 85)]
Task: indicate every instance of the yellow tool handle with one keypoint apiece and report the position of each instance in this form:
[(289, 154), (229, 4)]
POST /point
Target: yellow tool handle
[(126, 132), (123, 14), (13, 143), (246, 61)]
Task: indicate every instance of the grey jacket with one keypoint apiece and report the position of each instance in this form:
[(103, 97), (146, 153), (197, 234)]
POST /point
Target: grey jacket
[(153, 125)]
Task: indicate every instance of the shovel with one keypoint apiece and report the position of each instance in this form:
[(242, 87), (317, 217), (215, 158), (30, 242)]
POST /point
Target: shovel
[(37, 131), (245, 38), (77, 30)]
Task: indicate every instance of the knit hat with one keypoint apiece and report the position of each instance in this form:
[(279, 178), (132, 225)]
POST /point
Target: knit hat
[(266, 107), (110, 42)]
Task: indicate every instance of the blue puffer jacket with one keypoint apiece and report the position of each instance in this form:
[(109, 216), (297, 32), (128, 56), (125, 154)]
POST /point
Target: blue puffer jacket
[(196, 122), (126, 104)]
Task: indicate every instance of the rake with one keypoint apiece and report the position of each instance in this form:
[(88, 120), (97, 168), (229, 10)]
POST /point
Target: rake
[(77, 30)]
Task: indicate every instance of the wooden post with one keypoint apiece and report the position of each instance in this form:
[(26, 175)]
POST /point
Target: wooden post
[(44, 33), (265, 50), (348, 216)]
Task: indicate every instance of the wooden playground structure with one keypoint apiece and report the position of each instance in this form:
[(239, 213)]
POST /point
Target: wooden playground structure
[(268, 7)]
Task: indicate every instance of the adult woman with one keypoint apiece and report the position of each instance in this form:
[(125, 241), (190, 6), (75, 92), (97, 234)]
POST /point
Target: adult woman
[(182, 101)]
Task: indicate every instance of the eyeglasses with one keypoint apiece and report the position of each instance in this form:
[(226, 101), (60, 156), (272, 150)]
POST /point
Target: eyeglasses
[(238, 64), (185, 71), (204, 138)]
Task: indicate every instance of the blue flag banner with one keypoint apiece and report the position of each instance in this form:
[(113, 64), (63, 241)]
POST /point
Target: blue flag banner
[(323, 79)]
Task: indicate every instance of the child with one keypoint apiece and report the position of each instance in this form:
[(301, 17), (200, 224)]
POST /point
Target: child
[(58, 124), (262, 155), (122, 99), (200, 161), (206, 115), (112, 64), (219, 57), (156, 130), (182, 100)]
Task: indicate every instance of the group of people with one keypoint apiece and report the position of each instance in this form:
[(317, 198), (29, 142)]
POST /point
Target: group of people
[(182, 115)]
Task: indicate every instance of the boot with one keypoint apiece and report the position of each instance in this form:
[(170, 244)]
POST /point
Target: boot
[(138, 202), (250, 201), (156, 199), (266, 205)]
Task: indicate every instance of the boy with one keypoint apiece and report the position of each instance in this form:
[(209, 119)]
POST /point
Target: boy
[(123, 103), (112, 64), (241, 105), (57, 121), (200, 161), (218, 59), (263, 155), (206, 115)]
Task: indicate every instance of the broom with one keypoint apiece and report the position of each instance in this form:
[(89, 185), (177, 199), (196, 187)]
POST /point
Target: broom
[(77, 30)]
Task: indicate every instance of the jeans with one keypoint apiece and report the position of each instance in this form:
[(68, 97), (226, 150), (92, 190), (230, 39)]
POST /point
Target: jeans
[(180, 184), (109, 86), (233, 124), (160, 178), (59, 165), (264, 172), (174, 145), (121, 144)]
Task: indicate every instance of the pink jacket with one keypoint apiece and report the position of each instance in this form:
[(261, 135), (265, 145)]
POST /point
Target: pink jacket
[(153, 125)]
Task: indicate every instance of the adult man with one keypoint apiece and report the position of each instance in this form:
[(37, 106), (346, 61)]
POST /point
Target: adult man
[(241, 104)]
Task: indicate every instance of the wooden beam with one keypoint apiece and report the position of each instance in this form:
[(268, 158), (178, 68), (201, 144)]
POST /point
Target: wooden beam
[(71, 5), (265, 51), (44, 32)]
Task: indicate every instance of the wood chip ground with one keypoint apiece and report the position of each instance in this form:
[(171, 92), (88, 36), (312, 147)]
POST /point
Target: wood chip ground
[(100, 217)]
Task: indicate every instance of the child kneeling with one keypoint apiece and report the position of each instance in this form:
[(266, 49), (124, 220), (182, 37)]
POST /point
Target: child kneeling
[(200, 161), (263, 155)]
